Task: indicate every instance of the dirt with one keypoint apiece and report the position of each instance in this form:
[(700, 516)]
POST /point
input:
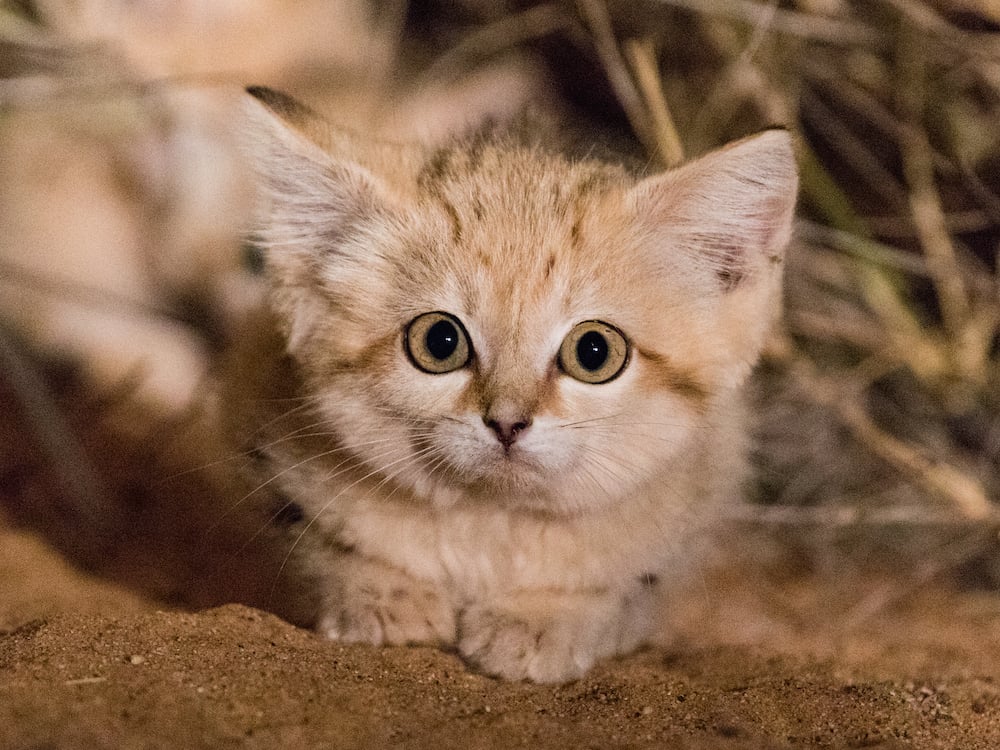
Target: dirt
[(753, 664)]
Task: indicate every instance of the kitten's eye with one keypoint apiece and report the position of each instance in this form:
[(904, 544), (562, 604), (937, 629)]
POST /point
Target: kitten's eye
[(593, 352), (437, 342)]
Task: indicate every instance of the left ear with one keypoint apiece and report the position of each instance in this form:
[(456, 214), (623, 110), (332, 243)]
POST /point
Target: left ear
[(726, 218), (319, 206)]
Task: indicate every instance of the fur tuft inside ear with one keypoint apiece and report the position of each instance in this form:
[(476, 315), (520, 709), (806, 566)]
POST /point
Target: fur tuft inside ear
[(728, 216), (731, 209)]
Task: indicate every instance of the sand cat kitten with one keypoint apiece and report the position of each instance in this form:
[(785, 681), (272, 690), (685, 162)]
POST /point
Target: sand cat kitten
[(499, 391)]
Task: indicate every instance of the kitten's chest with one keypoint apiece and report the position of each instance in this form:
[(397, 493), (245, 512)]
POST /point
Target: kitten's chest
[(471, 550)]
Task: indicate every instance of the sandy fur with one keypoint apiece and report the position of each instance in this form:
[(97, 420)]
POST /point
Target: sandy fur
[(534, 559)]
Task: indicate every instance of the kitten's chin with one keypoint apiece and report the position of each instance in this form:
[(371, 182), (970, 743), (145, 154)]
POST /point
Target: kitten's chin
[(512, 484), (510, 489)]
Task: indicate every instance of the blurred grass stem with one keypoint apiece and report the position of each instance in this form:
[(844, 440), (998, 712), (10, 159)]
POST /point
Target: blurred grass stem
[(928, 214)]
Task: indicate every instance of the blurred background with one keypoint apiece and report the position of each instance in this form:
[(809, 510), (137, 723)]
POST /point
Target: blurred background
[(125, 265)]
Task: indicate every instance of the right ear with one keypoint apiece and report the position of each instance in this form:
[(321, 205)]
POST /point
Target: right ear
[(726, 217), (314, 202)]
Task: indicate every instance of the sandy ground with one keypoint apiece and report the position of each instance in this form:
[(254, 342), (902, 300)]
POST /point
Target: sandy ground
[(85, 663)]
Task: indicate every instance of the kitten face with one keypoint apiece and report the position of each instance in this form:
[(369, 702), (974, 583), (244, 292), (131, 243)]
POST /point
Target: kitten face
[(507, 421), (491, 324)]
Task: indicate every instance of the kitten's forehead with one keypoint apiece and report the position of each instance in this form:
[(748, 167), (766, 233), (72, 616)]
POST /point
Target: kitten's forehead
[(515, 222), (520, 187)]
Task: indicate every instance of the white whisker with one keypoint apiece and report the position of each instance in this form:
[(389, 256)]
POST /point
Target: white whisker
[(316, 516)]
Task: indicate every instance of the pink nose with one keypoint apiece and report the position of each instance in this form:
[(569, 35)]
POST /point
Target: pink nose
[(507, 431)]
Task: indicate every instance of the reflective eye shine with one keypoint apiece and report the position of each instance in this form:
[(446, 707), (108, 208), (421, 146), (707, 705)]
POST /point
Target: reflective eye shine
[(437, 343), (594, 352)]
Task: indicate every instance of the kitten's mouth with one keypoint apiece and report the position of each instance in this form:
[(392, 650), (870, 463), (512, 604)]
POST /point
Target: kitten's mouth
[(488, 469), (510, 469)]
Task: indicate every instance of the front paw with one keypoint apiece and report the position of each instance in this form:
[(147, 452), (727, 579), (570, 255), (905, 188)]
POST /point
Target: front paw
[(515, 648), (553, 637), (368, 602)]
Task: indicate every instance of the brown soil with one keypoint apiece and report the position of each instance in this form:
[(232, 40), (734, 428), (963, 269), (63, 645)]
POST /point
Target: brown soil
[(86, 664)]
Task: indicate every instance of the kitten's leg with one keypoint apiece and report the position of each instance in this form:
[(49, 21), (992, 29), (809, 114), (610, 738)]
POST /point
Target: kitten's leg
[(553, 635), (367, 601)]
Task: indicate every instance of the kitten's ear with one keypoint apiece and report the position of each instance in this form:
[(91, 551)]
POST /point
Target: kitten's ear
[(315, 196), (727, 217), (306, 168), (293, 113)]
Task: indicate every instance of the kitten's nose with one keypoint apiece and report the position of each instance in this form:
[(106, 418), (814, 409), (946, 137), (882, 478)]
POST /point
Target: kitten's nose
[(507, 430)]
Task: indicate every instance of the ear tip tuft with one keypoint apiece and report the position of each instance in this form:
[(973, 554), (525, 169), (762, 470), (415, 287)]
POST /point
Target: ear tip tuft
[(264, 94), (279, 103)]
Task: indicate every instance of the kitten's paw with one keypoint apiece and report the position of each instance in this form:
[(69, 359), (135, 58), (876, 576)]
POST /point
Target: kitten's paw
[(380, 605), (516, 648), (552, 637)]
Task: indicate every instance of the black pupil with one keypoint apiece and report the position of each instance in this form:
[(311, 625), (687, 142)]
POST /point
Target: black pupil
[(592, 351), (442, 339)]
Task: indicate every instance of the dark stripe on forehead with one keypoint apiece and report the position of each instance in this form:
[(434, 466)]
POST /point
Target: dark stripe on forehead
[(441, 166), (578, 199), (587, 184), (437, 167), (453, 217), (449, 162)]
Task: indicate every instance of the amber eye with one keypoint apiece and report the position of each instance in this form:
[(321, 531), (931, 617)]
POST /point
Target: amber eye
[(593, 352), (437, 343)]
